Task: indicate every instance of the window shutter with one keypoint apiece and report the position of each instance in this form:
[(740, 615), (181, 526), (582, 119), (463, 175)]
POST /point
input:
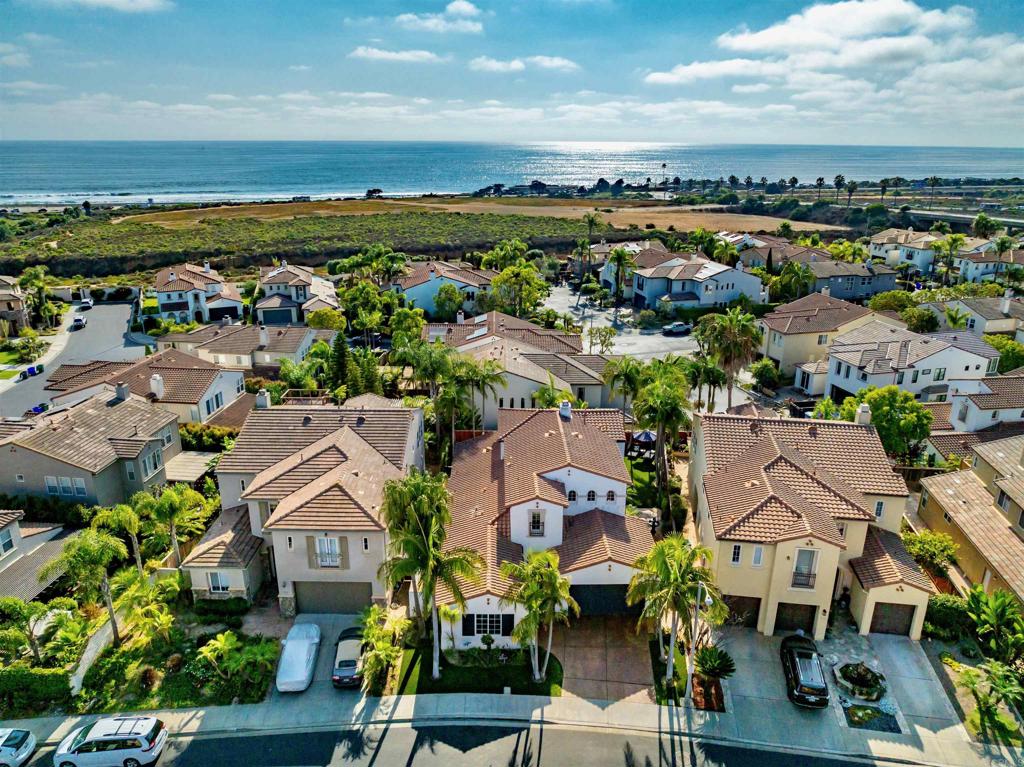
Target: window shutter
[(507, 623), (468, 625), (343, 553), (311, 552)]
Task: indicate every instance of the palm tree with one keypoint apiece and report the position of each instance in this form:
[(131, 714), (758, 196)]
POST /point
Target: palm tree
[(592, 220), (430, 363), (748, 182), (667, 581), (125, 519), (956, 318), (738, 338), (85, 560), (623, 261), (725, 253), (795, 280), (455, 389), (839, 182), (447, 567), (702, 240), (947, 249), (851, 188), (819, 184), (662, 405), (933, 181), (883, 187), (793, 181), (625, 376), (33, 282), (484, 377), (763, 182), (178, 509)]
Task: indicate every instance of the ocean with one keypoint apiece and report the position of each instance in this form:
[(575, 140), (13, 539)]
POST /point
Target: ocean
[(53, 172)]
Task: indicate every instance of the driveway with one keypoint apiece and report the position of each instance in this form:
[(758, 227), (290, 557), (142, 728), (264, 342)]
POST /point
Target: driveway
[(604, 659), (105, 337)]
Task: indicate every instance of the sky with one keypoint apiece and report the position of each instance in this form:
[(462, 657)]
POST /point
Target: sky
[(882, 72)]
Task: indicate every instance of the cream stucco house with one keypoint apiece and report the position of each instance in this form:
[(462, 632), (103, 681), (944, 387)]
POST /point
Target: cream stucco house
[(796, 512)]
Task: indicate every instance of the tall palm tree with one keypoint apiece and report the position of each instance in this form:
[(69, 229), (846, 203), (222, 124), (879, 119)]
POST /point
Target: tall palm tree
[(623, 261), (484, 377), (795, 280), (85, 560), (549, 395), (178, 509), (748, 182), (851, 189), (793, 181), (763, 182), (839, 182), (883, 187), (956, 318), (739, 338), (667, 581), (819, 184), (625, 376), (933, 182), (430, 363), (592, 220), (702, 241), (125, 519), (662, 405), (725, 253), (947, 249), (456, 389), (33, 282)]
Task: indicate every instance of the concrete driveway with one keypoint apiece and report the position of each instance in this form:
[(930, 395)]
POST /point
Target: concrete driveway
[(321, 692), (603, 658)]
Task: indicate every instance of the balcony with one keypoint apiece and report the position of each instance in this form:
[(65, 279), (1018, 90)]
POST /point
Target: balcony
[(306, 397), (803, 580), (537, 531)]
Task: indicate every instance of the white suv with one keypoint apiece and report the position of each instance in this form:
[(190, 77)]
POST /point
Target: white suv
[(121, 741)]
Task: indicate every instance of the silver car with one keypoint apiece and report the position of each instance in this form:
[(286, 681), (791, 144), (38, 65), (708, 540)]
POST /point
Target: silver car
[(16, 747), (120, 741)]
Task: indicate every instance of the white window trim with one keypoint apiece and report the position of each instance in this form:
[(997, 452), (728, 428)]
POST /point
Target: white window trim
[(757, 558), (222, 587)]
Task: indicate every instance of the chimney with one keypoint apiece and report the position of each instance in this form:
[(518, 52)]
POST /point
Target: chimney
[(1004, 304), (910, 229), (121, 390), (565, 410), (206, 266), (460, 317), (225, 320), (170, 275), (826, 291), (284, 263), (156, 385), (262, 399), (264, 336), (863, 416)]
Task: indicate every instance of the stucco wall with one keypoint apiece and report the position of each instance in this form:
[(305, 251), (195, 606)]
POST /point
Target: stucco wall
[(862, 604), (293, 564)]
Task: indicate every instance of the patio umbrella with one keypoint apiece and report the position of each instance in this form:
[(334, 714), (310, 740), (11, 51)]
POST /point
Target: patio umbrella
[(645, 436)]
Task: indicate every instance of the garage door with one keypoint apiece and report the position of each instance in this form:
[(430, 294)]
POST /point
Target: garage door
[(276, 316), (313, 597), (794, 617), (219, 312), (890, 618), (607, 599), (743, 611)]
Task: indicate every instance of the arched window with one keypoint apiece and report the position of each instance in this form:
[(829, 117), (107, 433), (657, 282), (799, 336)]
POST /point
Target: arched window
[(572, 496), (611, 496), (591, 495)]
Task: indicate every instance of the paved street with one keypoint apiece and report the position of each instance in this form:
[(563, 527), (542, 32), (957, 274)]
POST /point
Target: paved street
[(104, 337), (464, 746)]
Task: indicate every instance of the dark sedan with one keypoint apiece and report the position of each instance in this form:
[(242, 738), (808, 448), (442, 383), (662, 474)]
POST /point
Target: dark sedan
[(348, 658), (805, 679)]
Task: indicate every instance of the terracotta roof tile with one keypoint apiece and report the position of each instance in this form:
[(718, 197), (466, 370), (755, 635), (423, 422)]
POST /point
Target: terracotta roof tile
[(228, 542), (814, 313), (597, 536), (7, 516), (186, 378), (886, 562)]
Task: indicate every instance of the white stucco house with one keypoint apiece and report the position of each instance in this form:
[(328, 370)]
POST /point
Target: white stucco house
[(424, 278), (289, 292), (186, 293), (693, 283)]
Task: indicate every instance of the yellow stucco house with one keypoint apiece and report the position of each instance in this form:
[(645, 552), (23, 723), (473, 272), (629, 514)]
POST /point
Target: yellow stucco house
[(982, 509), (797, 513)]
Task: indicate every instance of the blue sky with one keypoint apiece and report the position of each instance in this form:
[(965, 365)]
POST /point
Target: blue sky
[(691, 71)]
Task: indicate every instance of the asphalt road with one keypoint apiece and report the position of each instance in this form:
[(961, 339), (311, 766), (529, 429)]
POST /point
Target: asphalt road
[(104, 338), (464, 746)]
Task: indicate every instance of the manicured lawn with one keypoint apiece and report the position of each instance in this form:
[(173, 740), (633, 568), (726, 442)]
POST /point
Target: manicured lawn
[(5, 374), (643, 493), (494, 677), (8, 358), (1001, 729), (661, 692)]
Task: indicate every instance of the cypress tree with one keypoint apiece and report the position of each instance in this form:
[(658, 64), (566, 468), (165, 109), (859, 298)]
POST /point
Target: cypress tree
[(340, 362)]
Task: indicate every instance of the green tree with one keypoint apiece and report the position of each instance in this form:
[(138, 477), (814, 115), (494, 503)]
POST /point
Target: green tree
[(123, 518), (337, 374), (22, 623), (326, 319), (826, 410), (519, 289), (447, 302), (624, 262), (625, 376), (1011, 353), (179, 509), (956, 318), (891, 301), (84, 561), (662, 405), (765, 373), (934, 551), (900, 420), (737, 339), (505, 254), (33, 282), (430, 363), (406, 323), (984, 226), (785, 230), (218, 650), (603, 337), (946, 251), (795, 281), (725, 253), (998, 623), (851, 189), (920, 320), (702, 241), (484, 377), (839, 182), (549, 395), (368, 322)]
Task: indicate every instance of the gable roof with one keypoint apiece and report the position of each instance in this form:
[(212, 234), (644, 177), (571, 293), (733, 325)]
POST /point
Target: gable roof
[(783, 254), (575, 370), (228, 542), (8, 516), (597, 536), (699, 270), (827, 269), (1005, 391), (245, 339), (185, 277), (504, 326), (886, 562), (814, 313), (879, 347), (420, 272)]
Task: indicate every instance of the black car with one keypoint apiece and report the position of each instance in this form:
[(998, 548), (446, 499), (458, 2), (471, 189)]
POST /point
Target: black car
[(805, 679), (348, 658)]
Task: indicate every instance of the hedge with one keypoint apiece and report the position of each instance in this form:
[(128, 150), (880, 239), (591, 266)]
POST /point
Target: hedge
[(23, 687), (947, 617), (42, 508), (204, 437), (221, 607)]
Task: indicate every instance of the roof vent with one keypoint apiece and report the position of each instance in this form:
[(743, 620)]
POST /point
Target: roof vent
[(360, 420), (307, 420), (565, 410)]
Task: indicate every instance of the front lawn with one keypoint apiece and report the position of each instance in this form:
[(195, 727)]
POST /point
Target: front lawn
[(7, 374), (481, 672), (8, 358), (662, 692), (643, 493)]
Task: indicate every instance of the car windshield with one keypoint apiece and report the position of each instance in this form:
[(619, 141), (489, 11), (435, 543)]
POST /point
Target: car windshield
[(809, 669), (15, 739), (79, 738), (346, 664)]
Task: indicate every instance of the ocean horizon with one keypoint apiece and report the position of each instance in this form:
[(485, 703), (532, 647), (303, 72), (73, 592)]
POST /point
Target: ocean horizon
[(103, 172)]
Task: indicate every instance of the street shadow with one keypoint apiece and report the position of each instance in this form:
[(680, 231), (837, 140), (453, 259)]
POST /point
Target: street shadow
[(524, 749)]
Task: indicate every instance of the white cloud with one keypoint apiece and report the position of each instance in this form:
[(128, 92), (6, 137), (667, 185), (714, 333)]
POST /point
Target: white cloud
[(379, 54), (13, 56), (299, 68), (26, 86), (369, 95), (298, 96), (223, 97), (458, 16), (752, 88), (554, 62), (683, 74), (37, 38), (125, 6), (487, 64)]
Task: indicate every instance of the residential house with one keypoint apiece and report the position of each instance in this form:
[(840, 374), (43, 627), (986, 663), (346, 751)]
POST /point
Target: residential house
[(311, 479), (187, 292), (25, 549), (744, 240), (984, 315), (14, 315), (802, 331), (289, 292), (977, 411), (424, 278), (695, 283), (546, 479), (255, 348), (597, 257), (981, 509), (780, 255), (905, 246), (99, 451), (195, 390), (851, 281), (482, 329), (226, 562), (796, 512), (881, 354), (644, 259)]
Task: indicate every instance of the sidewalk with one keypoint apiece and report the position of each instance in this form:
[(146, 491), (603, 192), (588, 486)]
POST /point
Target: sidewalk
[(322, 707), (57, 342)]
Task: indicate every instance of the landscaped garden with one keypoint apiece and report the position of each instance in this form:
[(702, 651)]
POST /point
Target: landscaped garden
[(476, 670)]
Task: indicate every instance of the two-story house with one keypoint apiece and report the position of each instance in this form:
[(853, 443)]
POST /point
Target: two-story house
[(195, 390), (289, 292), (881, 354), (977, 411), (982, 509), (851, 281), (255, 348), (648, 258), (98, 451), (984, 315), (597, 256), (905, 246), (309, 481), (467, 334), (546, 479), (777, 256), (696, 282), (796, 512), (13, 308), (423, 279), (187, 292), (25, 549)]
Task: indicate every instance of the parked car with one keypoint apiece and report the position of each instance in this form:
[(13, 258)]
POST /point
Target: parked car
[(805, 679), (79, 322), (119, 741), (677, 329), (348, 658), (298, 659), (16, 747), (87, 303)]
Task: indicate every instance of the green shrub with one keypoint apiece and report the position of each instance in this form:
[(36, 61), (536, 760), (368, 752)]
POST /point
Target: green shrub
[(221, 607), (934, 551), (947, 617), (41, 508), (231, 621), (23, 687), (648, 318), (205, 438), (712, 662), (765, 373)]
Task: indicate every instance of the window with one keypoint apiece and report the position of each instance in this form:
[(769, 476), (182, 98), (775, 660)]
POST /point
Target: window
[(291, 543), (804, 569), (758, 558), (610, 496), (899, 377), (995, 414), (839, 367), (940, 374), (366, 544), (536, 524), (488, 623), (65, 486), (129, 470), (19, 477), (327, 552), (165, 436), (1003, 501), (993, 365), (6, 542), (913, 377), (924, 497), (846, 373), (962, 413), (822, 339), (879, 508), (946, 518), (218, 583), (501, 402), (522, 403), (737, 554), (572, 496), (591, 495), (970, 324), (79, 487), (841, 526), (240, 386)]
